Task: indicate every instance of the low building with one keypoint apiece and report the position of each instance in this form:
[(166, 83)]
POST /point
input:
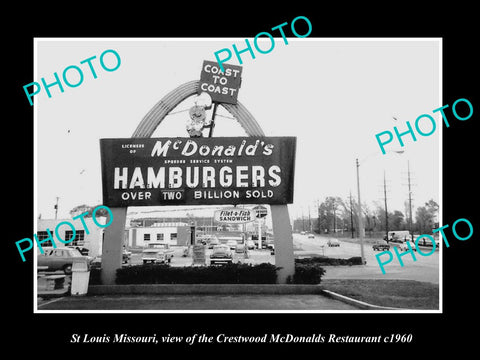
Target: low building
[(173, 233), (89, 236)]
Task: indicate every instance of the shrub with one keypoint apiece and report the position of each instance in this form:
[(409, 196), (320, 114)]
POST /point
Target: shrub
[(94, 277), (306, 274), (356, 260), (324, 260), (227, 274)]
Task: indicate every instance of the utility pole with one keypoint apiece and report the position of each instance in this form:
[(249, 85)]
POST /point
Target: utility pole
[(318, 215), (334, 216), (360, 223), (386, 211), (409, 200), (351, 213), (309, 220), (303, 221)]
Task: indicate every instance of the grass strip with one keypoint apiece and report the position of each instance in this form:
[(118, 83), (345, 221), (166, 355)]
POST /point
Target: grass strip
[(407, 294)]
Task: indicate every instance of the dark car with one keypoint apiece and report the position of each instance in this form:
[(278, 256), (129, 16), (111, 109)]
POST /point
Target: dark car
[(380, 246), (126, 256), (96, 263), (97, 260), (221, 254)]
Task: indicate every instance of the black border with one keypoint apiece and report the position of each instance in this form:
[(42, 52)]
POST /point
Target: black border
[(432, 332)]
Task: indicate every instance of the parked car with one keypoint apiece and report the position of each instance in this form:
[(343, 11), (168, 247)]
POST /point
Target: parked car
[(311, 236), (303, 232), (270, 244), (240, 248), (424, 241), (157, 252), (61, 258), (203, 239), (398, 236), (221, 254), (250, 244), (96, 262), (333, 242), (232, 244), (404, 246), (213, 241), (126, 256), (380, 246), (83, 250)]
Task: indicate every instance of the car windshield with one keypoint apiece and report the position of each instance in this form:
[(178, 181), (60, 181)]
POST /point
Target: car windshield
[(220, 248)]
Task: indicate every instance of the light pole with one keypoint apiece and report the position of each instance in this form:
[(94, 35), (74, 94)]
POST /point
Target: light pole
[(360, 222)]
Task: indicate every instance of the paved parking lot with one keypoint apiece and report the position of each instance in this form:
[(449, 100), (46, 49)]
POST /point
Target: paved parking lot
[(424, 269), (253, 257), (217, 302)]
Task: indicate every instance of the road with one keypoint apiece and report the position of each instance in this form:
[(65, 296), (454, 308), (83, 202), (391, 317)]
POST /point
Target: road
[(425, 268)]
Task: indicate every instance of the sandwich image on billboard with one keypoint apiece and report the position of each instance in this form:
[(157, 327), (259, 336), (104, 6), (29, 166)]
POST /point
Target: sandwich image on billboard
[(194, 171)]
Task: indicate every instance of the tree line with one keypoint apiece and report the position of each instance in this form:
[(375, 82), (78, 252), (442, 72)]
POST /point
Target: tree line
[(341, 215)]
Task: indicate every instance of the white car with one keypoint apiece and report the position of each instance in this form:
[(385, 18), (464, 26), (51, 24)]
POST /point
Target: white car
[(157, 252), (404, 246), (232, 244), (333, 242), (250, 244)]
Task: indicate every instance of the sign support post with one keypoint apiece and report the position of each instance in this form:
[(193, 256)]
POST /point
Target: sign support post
[(112, 246), (283, 241), (212, 123), (223, 89), (259, 233)]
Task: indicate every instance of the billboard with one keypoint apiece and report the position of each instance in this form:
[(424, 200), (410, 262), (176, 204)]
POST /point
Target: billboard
[(197, 171), (234, 215), (221, 86)]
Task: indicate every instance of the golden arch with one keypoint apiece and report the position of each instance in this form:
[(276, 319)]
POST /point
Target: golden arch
[(161, 109)]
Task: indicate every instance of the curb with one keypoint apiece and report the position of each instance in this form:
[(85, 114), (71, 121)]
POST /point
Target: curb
[(189, 289), (226, 289), (53, 293), (358, 303)]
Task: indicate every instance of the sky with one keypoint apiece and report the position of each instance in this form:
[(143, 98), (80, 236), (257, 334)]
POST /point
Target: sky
[(334, 95)]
